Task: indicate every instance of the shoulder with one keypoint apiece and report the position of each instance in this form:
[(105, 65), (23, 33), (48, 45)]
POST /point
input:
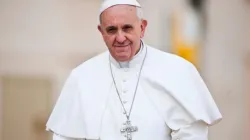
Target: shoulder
[(160, 58), (92, 65)]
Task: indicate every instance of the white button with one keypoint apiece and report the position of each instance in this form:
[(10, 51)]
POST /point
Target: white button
[(124, 80), (124, 102), (125, 91), (126, 69)]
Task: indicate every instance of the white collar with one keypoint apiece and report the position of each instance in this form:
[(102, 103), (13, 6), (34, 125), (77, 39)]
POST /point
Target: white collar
[(137, 59)]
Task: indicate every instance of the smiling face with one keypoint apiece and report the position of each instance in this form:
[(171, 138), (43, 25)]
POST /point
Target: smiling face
[(122, 31)]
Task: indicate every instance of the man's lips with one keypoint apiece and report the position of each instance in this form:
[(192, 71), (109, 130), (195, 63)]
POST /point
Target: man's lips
[(120, 49), (121, 45)]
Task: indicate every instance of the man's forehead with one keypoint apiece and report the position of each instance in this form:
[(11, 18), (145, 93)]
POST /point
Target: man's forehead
[(118, 22)]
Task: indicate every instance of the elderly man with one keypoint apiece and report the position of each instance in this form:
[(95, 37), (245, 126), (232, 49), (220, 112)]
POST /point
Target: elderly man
[(132, 91)]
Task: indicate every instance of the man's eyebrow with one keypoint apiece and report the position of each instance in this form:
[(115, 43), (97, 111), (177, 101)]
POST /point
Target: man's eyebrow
[(111, 28), (127, 26)]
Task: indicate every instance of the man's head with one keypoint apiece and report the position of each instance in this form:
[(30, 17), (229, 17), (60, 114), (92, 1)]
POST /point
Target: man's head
[(122, 28)]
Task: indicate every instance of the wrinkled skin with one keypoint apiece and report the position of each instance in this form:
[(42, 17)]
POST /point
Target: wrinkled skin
[(122, 31)]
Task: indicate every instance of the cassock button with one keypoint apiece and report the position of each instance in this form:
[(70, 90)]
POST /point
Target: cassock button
[(126, 69), (124, 102)]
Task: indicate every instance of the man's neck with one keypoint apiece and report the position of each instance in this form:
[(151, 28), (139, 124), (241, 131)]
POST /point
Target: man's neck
[(125, 64)]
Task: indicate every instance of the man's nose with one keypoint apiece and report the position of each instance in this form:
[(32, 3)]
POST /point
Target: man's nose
[(120, 37)]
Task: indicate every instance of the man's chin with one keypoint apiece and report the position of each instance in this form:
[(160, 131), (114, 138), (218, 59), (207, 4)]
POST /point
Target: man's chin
[(122, 58)]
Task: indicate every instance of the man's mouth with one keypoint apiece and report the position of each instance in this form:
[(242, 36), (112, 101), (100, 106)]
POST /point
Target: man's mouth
[(121, 45)]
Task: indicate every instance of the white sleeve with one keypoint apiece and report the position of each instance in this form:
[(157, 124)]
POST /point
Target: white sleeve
[(195, 131), (58, 137)]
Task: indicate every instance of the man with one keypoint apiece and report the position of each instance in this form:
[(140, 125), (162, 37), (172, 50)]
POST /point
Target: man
[(132, 91)]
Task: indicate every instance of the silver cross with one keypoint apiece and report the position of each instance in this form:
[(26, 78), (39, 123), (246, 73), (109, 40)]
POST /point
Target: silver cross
[(128, 129)]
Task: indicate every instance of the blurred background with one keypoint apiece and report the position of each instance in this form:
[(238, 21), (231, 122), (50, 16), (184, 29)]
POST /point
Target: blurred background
[(42, 40)]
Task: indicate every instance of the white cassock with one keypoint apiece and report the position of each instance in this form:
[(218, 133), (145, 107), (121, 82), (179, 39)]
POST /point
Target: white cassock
[(172, 102)]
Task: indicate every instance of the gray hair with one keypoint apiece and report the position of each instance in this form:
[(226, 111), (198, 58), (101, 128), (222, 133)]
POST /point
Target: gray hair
[(139, 14)]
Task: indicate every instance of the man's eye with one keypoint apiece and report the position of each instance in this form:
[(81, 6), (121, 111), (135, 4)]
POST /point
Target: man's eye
[(111, 30), (127, 28)]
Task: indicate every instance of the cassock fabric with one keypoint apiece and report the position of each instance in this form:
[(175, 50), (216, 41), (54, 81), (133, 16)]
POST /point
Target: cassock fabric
[(172, 101)]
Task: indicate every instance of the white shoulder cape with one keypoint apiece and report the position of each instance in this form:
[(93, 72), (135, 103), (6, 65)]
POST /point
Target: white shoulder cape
[(79, 110)]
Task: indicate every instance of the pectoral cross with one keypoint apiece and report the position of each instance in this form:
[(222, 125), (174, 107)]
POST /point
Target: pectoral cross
[(128, 129)]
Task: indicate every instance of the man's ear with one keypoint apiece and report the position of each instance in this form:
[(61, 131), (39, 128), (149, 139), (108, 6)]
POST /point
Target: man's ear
[(143, 27), (100, 29)]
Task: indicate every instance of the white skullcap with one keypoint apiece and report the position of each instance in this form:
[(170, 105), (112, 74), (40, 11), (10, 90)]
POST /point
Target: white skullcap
[(109, 3)]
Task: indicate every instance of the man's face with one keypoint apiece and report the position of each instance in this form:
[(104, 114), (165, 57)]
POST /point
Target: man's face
[(122, 30)]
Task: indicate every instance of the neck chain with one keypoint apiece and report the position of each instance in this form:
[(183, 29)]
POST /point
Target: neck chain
[(128, 113)]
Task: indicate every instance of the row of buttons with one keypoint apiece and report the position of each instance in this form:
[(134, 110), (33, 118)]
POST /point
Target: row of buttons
[(125, 90)]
